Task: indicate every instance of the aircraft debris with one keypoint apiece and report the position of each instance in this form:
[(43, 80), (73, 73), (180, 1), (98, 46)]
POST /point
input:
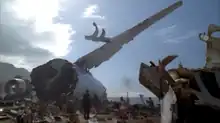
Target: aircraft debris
[(94, 37), (105, 52), (212, 46), (196, 90), (55, 81)]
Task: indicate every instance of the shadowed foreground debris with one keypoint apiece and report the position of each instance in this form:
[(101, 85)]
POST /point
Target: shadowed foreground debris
[(51, 82)]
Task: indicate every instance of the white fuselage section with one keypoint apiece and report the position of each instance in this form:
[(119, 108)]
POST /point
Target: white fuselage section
[(86, 81)]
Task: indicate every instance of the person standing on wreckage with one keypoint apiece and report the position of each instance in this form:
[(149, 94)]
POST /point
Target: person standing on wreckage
[(86, 105)]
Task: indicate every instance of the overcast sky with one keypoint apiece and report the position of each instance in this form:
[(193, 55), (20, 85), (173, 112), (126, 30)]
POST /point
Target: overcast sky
[(35, 31)]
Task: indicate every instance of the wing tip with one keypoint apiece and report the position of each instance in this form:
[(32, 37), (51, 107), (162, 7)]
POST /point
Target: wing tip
[(180, 2), (177, 4)]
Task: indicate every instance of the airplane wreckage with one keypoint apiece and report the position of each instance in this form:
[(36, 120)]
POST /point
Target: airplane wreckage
[(94, 37), (200, 88), (194, 92), (59, 76)]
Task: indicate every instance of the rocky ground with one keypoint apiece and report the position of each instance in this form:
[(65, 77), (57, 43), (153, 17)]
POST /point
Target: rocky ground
[(111, 119)]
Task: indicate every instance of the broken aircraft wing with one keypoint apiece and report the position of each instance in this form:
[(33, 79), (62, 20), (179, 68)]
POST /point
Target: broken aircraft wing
[(105, 52)]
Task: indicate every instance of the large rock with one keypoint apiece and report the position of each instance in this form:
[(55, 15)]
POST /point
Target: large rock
[(54, 78)]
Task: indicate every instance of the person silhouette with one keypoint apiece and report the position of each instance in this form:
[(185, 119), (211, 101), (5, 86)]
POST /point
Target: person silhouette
[(86, 105)]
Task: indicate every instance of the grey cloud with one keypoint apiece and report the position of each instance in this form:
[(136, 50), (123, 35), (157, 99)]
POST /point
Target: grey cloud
[(19, 39)]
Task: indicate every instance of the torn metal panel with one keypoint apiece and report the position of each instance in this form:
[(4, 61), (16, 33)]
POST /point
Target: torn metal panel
[(201, 85), (150, 78), (206, 94)]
